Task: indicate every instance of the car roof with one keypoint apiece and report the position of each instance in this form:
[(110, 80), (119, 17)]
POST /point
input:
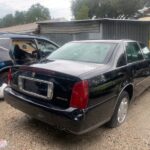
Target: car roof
[(26, 36), (104, 41)]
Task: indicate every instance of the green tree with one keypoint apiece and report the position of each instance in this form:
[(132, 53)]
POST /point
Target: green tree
[(7, 21), (20, 17), (107, 8), (83, 13), (37, 13), (81, 9)]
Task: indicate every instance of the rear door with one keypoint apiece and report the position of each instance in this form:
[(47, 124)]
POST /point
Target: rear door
[(137, 66), (146, 54)]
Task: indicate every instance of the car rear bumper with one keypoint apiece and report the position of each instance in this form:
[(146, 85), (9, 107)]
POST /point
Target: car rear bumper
[(72, 120)]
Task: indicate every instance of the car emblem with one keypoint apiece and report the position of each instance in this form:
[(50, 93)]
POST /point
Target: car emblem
[(33, 74)]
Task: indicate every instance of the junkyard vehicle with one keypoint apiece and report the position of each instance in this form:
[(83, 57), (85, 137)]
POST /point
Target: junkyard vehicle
[(16, 49), (82, 85)]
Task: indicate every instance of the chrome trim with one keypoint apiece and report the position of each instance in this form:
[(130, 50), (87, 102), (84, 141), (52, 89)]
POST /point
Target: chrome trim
[(49, 90)]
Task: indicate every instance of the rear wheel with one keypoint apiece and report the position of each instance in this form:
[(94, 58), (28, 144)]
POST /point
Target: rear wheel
[(120, 112)]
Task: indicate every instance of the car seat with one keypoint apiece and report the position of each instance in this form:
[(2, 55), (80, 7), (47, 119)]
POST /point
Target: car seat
[(19, 55)]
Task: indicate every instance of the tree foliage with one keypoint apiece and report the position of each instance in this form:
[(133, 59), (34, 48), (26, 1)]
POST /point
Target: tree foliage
[(35, 13), (20, 17), (106, 8), (82, 11), (8, 19)]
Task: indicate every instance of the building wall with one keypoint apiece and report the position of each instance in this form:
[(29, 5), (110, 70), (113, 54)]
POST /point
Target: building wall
[(96, 29), (61, 39), (139, 31), (70, 31)]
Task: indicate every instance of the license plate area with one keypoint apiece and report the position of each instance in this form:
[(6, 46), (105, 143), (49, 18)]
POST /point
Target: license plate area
[(36, 87)]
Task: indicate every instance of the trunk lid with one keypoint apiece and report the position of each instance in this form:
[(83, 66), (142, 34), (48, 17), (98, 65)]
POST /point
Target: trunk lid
[(68, 67), (43, 86)]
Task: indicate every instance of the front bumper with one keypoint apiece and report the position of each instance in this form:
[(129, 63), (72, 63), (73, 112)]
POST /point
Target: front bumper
[(70, 119)]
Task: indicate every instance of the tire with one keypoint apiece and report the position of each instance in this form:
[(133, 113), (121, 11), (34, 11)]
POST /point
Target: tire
[(120, 113)]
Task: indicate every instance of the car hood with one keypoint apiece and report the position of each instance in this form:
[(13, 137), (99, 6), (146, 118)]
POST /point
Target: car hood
[(69, 67)]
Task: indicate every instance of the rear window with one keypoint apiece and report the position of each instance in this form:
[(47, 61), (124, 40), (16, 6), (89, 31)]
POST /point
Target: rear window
[(84, 52), (5, 44)]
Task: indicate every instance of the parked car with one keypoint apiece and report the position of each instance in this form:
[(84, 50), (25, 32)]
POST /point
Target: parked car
[(16, 49), (82, 85)]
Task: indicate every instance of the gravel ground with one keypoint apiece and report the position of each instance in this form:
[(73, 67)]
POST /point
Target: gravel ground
[(23, 133)]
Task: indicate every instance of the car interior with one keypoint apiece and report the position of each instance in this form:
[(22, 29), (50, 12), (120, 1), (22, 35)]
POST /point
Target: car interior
[(24, 51)]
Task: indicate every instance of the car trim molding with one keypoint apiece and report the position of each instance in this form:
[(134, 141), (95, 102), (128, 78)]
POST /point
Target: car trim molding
[(49, 90)]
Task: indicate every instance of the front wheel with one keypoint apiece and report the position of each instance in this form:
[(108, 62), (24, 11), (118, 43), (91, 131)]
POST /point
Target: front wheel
[(120, 112)]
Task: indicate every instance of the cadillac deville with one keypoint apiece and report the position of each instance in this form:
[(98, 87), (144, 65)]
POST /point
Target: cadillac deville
[(82, 85)]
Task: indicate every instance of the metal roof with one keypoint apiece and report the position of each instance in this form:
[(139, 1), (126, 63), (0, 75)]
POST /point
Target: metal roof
[(25, 28), (86, 26), (90, 20)]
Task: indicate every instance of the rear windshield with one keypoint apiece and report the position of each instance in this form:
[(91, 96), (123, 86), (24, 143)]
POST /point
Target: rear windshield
[(84, 52)]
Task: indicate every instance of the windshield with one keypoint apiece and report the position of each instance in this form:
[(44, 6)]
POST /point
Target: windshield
[(84, 52)]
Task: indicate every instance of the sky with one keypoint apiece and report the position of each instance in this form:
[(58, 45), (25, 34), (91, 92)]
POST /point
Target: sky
[(58, 8)]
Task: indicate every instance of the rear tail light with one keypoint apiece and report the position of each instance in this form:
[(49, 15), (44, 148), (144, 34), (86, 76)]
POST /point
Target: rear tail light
[(80, 95), (9, 76)]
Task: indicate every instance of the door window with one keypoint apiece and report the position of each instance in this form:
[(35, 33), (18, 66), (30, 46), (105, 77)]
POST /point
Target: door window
[(27, 46), (46, 46), (133, 52), (22, 51)]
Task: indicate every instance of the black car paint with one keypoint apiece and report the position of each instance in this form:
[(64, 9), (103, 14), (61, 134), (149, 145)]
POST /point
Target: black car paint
[(106, 82)]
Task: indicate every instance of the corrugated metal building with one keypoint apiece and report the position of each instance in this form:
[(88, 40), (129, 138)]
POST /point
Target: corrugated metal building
[(62, 32)]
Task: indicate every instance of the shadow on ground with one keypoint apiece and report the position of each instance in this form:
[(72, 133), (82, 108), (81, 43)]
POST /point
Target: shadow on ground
[(47, 132), (44, 134)]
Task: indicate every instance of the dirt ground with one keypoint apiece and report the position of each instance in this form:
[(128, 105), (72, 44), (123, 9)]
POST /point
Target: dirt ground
[(24, 133)]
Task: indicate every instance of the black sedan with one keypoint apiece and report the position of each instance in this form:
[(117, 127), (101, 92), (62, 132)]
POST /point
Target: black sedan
[(82, 85)]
